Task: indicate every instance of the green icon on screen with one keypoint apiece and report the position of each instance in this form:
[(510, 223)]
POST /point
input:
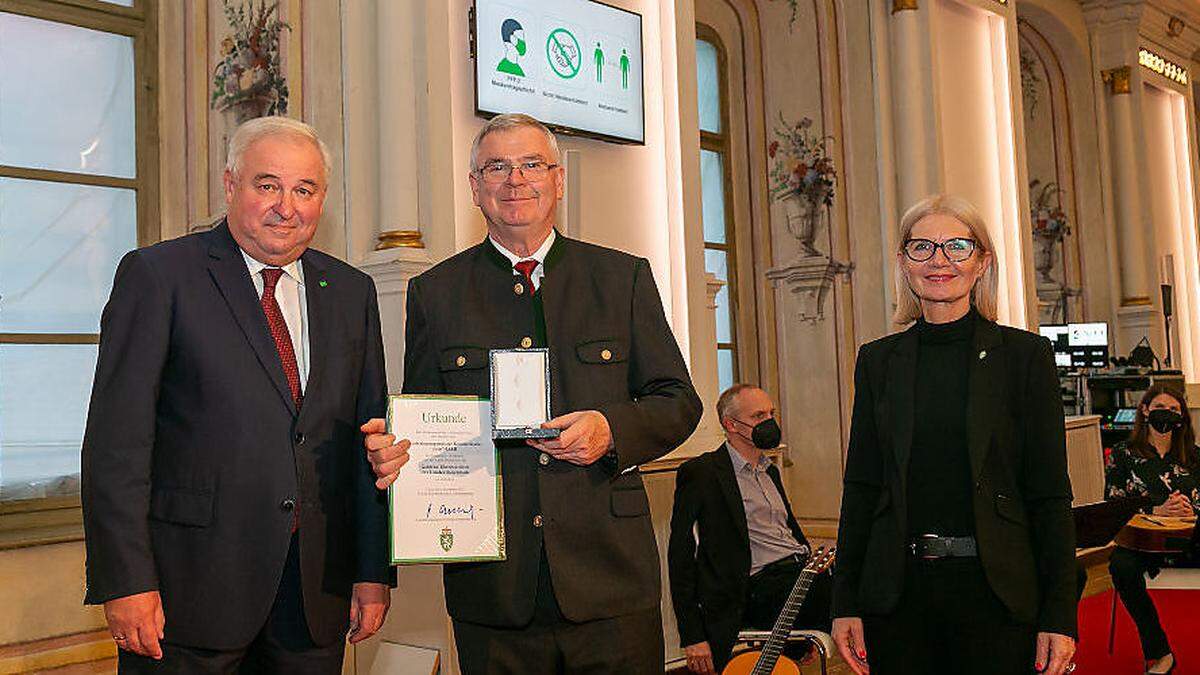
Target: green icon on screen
[(598, 57), (513, 36), (563, 53), (624, 69)]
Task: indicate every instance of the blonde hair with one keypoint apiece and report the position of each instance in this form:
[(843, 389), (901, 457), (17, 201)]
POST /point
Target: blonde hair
[(983, 295), (512, 121), (252, 131)]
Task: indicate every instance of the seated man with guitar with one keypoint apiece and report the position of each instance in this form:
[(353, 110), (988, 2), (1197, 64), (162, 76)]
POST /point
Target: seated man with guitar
[(736, 551), (1159, 461)]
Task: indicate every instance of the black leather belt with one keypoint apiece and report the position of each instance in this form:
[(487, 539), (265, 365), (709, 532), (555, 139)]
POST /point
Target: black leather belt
[(933, 547)]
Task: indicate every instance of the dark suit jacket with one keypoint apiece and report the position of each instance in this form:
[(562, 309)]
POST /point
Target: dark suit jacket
[(709, 580), (611, 350), (1022, 495), (193, 444)]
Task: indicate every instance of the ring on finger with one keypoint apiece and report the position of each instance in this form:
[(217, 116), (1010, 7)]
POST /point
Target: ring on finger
[(1070, 668)]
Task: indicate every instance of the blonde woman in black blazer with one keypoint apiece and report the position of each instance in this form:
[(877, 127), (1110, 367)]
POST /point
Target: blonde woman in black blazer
[(955, 545)]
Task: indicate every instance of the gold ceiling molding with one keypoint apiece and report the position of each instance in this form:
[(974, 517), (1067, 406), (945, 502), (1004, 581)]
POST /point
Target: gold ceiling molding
[(1172, 71), (1117, 79), (903, 5)]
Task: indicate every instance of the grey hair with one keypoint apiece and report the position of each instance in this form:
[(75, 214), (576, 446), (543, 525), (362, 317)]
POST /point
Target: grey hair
[(252, 131), (986, 289), (728, 397), (512, 121)]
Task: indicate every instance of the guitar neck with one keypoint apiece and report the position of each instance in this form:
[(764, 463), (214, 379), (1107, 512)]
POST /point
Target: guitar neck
[(783, 625)]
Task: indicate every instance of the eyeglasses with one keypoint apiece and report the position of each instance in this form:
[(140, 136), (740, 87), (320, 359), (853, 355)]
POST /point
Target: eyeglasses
[(956, 250), (498, 172)]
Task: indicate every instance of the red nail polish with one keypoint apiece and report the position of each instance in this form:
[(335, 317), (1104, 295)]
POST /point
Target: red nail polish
[(1038, 667)]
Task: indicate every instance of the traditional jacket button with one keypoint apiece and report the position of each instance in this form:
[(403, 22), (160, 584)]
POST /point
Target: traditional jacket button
[(543, 459), (460, 361), (287, 504), (518, 288), (606, 355), (537, 520), (526, 342)]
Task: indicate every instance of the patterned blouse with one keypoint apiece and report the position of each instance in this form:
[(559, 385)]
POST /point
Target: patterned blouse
[(1127, 474)]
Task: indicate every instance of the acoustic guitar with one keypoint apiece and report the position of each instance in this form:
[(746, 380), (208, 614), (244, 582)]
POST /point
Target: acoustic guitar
[(1156, 534), (768, 660)]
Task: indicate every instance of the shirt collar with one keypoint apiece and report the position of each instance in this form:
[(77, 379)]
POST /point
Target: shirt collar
[(538, 255), (741, 463), (293, 269)]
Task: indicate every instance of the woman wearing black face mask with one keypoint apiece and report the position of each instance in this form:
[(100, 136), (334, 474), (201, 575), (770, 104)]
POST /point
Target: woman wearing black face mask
[(1158, 461)]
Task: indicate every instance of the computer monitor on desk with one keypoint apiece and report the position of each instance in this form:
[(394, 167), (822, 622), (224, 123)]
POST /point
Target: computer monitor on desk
[(1078, 345)]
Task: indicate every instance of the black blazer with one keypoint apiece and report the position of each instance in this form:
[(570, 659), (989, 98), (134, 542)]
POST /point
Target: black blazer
[(611, 350), (1022, 495), (709, 578), (193, 444)]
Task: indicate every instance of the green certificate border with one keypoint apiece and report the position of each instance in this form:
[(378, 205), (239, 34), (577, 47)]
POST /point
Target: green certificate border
[(500, 538)]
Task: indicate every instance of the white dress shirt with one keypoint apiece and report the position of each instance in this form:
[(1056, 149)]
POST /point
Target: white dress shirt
[(538, 255), (289, 293)]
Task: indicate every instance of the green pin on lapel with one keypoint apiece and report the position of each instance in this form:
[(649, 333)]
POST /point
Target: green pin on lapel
[(323, 283)]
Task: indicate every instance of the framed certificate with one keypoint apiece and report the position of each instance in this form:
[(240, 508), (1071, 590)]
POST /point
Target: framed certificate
[(520, 393), (447, 504)]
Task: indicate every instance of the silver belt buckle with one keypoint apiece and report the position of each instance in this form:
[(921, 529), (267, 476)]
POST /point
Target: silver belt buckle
[(926, 555)]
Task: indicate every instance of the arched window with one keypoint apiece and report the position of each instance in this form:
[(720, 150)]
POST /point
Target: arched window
[(720, 253)]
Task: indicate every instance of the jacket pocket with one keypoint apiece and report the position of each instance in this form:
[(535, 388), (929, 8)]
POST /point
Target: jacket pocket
[(181, 506), (1009, 509), (602, 351), (462, 358), (629, 503)]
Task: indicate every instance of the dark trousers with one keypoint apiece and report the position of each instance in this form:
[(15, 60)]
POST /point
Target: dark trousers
[(631, 644), (767, 591), (948, 620), (1127, 568), (283, 646)]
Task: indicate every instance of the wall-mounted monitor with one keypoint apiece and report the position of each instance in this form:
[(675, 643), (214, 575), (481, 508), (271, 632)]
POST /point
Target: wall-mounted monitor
[(576, 65)]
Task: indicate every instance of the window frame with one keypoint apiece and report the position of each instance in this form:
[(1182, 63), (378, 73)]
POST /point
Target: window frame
[(58, 519), (721, 144)]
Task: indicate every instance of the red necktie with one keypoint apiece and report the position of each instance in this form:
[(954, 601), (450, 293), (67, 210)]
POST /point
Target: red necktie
[(279, 332), (526, 268)]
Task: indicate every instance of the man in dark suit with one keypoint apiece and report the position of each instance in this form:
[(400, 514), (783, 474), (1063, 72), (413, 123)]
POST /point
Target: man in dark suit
[(231, 520), (750, 549), (579, 590)]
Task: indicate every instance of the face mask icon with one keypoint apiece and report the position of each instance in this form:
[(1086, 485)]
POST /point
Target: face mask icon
[(512, 33)]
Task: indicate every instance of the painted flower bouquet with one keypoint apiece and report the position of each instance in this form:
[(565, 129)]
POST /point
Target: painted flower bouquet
[(1050, 225), (248, 77), (802, 178), (1047, 214)]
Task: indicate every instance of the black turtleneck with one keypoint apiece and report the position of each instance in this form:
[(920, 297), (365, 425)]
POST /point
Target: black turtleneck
[(939, 470)]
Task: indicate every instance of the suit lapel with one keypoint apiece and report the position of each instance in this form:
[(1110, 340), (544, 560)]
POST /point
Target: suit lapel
[(901, 379), (985, 392), (320, 307), (729, 488), (229, 272)]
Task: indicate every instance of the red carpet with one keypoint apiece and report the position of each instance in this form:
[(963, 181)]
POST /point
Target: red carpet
[(1179, 612)]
